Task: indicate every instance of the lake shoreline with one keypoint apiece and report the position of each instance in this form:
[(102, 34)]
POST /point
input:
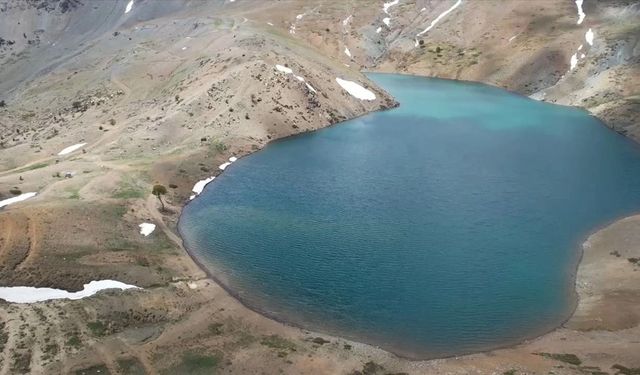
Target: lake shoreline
[(572, 291)]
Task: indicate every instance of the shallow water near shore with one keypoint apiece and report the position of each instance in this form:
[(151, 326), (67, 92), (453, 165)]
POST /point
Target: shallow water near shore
[(449, 225)]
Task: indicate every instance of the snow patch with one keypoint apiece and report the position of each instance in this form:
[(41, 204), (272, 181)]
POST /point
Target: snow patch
[(378, 30), (356, 90), (199, 186), (19, 198), (512, 38), (388, 5), (347, 52), (441, 16), (129, 7), (147, 228), (581, 14), (284, 69), (574, 61), (387, 21), (71, 149), (589, 37), (346, 21), (269, 23), (28, 294)]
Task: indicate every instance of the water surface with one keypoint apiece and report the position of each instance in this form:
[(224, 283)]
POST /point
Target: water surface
[(449, 225)]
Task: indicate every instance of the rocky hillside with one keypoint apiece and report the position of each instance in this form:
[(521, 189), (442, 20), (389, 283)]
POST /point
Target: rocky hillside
[(102, 99)]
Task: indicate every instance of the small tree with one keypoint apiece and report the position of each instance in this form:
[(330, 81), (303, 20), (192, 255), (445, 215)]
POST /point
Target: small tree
[(159, 191)]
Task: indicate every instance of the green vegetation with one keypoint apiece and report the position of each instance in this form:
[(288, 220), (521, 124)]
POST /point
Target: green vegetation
[(571, 359), (215, 328), (74, 341), (218, 146), (282, 345), (621, 370), (130, 366), (36, 166), (129, 189), (196, 363), (100, 369), (159, 191), (97, 328)]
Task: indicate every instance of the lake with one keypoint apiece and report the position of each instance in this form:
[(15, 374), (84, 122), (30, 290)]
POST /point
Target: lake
[(449, 225)]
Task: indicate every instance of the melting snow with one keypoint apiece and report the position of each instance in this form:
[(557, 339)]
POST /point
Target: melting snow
[(284, 69), (199, 186), (512, 38), (378, 30), (356, 90), (129, 6), (579, 48), (574, 61), (28, 294), (347, 52), (223, 166), (19, 198), (299, 16), (581, 14), (582, 56), (346, 21), (589, 37), (147, 228), (71, 149), (441, 16), (269, 23), (387, 21), (388, 5), (233, 159)]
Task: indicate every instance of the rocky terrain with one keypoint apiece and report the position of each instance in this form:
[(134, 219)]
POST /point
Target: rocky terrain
[(163, 92)]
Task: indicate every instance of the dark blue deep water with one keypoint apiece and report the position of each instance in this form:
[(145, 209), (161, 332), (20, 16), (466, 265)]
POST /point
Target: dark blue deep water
[(449, 225)]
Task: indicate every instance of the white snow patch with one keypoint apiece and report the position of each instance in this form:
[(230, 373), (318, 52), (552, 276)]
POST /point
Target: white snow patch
[(71, 149), (269, 23), (147, 228), (310, 87), (356, 90), (284, 69), (19, 198), (581, 14), (388, 5), (582, 56), (233, 159), (589, 37), (28, 294), (574, 61), (347, 52), (224, 166), (441, 16), (299, 16), (580, 48), (346, 21), (199, 186), (183, 48), (129, 6), (387, 21), (192, 285), (512, 38), (378, 30)]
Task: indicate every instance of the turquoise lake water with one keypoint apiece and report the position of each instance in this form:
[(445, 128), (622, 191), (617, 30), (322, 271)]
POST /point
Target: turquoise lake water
[(449, 225)]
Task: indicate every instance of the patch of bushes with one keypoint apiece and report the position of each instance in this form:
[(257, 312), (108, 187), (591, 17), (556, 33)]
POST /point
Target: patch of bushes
[(571, 359)]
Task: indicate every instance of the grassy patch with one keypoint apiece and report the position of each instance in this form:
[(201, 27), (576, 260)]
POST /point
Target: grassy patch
[(100, 369), (282, 345), (215, 328), (73, 194), (571, 359), (74, 341), (129, 189), (196, 363), (621, 370), (97, 328), (130, 366)]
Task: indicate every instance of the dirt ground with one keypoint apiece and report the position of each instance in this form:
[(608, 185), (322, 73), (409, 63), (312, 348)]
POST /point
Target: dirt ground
[(167, 92)]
